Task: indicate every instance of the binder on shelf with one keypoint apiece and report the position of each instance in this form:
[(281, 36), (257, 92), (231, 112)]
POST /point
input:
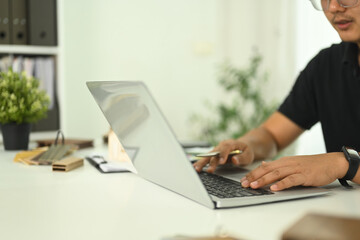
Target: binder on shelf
[(42, 22), (18, 22), (4, 22)]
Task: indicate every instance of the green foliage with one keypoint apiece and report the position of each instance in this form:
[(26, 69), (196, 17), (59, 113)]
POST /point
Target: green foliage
[(246, 109), (21, 100)]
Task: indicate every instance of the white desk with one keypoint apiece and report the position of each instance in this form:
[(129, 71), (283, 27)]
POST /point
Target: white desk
[(36, 203)]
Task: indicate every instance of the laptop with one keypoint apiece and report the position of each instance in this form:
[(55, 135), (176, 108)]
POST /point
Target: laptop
[(138, 122)]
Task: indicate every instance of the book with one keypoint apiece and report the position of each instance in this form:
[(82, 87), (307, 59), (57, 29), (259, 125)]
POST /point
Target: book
[(80, 143), (323, 227)]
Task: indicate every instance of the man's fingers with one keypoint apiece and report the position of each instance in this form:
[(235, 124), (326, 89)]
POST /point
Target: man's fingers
[(200, 164), (258, 172), (224, 150), (289, 181), (214, 161), (223, 156), (242, 159), (226, 147), (267, 167), (275, 175)]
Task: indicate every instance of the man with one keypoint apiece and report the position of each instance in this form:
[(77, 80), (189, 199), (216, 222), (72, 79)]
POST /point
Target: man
[(326, 91)]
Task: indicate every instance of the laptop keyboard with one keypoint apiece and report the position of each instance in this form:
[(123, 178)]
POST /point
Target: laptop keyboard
[(226, 188)]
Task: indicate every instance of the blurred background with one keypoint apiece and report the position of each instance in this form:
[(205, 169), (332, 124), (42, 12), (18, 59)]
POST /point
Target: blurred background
[(175, 47)]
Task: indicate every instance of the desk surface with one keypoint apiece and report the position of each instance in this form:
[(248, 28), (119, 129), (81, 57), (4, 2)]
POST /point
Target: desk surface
[(36, 203)]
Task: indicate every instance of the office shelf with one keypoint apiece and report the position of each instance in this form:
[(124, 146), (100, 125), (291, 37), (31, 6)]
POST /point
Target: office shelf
[(29, 50)]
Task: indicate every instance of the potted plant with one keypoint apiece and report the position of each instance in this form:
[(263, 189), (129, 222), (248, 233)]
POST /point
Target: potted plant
[(21, 103), (244, 109)]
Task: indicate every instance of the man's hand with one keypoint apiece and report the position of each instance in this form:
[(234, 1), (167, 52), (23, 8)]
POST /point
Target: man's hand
[(312, 170), (225, 147)]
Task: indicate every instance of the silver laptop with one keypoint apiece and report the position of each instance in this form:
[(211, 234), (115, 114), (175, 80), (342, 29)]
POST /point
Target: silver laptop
[(138, 122)]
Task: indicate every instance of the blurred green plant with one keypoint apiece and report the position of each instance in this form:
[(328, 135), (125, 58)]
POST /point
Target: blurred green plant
[(21, 100), (245, 108)]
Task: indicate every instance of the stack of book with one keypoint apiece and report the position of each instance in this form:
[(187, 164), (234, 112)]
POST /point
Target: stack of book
[(28, 22)]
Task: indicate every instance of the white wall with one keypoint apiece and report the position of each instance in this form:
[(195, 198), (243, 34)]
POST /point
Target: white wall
[(174, 46), (269, 27), (170, 45)]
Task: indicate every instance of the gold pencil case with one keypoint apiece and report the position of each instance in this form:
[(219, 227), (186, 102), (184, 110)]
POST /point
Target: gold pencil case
[(67, 164)]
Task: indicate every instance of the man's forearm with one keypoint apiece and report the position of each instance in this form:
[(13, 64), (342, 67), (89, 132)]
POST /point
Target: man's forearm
[(261, 142)]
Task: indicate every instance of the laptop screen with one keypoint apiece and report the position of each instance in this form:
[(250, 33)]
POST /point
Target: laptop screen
[(138, 122)]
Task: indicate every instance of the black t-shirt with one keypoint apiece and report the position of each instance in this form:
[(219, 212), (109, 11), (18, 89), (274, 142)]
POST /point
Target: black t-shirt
[(328, 91)]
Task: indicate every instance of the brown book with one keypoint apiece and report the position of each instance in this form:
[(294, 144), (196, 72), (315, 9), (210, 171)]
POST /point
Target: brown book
[(324, 227), (80, 143)]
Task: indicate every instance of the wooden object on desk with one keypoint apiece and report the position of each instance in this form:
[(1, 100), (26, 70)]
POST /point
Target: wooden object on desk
[(200, 238), (29, 157), (324, 227), (204, 238), (116, 150), (67, 164), (81, 143), (56, 153)]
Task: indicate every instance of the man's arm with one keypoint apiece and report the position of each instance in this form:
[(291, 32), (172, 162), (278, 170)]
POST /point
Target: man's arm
[(274, 134), (313, 170), (309, 170)]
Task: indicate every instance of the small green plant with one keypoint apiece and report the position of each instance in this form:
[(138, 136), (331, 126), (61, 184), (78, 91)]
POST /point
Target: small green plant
[(21, 99), (244, 109)]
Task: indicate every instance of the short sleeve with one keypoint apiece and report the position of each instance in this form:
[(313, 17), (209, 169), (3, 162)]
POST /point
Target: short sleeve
[(300, 105)]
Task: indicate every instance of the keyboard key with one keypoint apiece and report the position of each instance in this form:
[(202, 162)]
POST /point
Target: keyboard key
[(226, 188)]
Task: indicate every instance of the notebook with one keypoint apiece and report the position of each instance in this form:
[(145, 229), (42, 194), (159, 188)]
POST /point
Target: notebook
[(138, 122)]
